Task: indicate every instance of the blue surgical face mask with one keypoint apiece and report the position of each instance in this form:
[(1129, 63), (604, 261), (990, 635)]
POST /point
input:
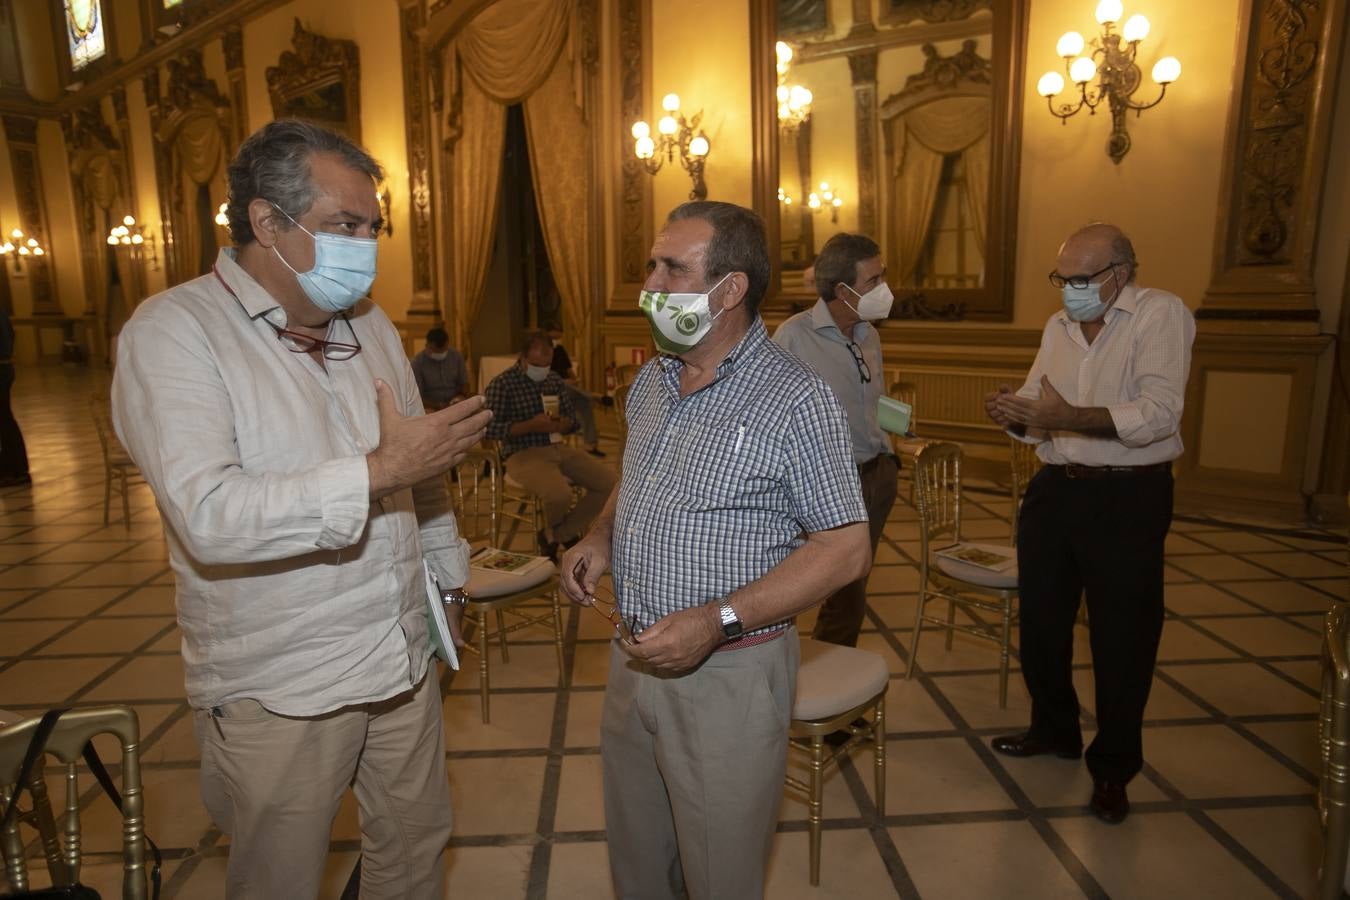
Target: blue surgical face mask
[(344, 268), (536, 373), (1084, 304)]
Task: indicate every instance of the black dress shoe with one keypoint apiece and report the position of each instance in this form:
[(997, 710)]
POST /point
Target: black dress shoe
[(1109, 802), (1025, 744), (596, 452)]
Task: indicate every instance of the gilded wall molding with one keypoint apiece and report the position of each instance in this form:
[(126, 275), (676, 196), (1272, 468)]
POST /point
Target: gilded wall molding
[(635, 186), (21, 132), (902, 12), (416, 78), (863, 70), (232, 43), (320, 80), (1275, 161)]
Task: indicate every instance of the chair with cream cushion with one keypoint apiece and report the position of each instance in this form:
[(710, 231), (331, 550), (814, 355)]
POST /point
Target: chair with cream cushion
[(908, 447), (937, 479), (837, 689), (527, 600)]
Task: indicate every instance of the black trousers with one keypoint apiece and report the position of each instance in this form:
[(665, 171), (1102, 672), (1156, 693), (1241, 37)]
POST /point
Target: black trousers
[(841, 617), (13, 453), (1104, 536)]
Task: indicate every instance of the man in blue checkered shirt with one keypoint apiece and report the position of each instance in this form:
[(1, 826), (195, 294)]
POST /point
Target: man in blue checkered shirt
[(738, 508)]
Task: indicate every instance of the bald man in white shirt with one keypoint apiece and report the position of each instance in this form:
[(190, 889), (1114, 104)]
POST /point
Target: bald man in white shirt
[(1103, 405)]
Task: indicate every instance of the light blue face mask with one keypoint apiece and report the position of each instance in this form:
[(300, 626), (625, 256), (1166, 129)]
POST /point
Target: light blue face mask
[(1084, 304), (344, 268)]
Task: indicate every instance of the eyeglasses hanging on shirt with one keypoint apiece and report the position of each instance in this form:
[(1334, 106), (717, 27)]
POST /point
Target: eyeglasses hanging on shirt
[(337, 351), (864, 371), (294, 341)]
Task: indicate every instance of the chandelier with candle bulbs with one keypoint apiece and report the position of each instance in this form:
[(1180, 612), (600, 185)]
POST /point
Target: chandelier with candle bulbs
[(675, 134), (133, 238), (20, 248), (1107, 74)]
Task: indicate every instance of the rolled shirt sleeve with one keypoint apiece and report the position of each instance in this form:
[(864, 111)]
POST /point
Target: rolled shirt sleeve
[(821, 476), (1161, 367)]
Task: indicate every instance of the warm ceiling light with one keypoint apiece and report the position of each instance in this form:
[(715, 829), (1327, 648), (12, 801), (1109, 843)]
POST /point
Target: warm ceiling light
[(645, 147), (698, 146), (670, 102), (1082, 70), (1070, 44), (783, 52), (128, 220), (1136, 29), (667, 125), (641, 130), (1167, 70), (1109, 11), (1051, 83)]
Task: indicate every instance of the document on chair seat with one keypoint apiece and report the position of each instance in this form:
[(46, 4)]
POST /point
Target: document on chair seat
[(504, 562), (983, 555), (441, 641)]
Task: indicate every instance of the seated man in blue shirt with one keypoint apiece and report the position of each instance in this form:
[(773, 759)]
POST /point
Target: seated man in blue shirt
[(739, 508), (531, 412), (440, 371)]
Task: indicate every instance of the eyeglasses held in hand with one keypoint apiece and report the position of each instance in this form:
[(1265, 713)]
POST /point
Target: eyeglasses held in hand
[(607, 607), (864, 370), (337, 351)]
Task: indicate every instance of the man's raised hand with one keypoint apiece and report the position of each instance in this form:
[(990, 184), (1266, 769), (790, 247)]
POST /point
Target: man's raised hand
[(413, 449)]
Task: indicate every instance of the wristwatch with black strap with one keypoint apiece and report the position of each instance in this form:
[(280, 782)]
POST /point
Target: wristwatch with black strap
[(732, 627)]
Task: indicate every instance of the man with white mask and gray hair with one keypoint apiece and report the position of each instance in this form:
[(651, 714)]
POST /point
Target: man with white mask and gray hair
[(275, 416), (836, 338)]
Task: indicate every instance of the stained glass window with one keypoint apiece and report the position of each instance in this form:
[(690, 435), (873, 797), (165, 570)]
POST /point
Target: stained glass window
[(84, 29), (170, 4)]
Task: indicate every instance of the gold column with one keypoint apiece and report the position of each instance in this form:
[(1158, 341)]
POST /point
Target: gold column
[(424, 309), (863, 67), (232, 43), (1249, 409)]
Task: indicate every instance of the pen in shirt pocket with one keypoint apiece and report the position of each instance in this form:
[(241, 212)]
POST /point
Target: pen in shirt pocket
[(740, 437)]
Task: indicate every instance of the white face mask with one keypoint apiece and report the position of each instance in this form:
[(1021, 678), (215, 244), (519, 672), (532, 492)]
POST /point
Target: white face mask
[(678, 321), (438, 356), (536, 373), (873, 305)]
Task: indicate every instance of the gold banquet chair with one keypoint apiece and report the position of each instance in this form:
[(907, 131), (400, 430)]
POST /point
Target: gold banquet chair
[(937, 479), (73, 731), (1024, 465), (118, 469), (837, 689), (908, 447), (507, 600), (1333, 732)]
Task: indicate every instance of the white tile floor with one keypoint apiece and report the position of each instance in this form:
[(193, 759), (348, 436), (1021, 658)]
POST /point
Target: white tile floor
[(1223, 808)]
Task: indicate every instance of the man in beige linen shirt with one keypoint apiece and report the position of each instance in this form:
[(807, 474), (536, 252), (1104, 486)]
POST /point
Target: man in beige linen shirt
[(1103, 405), (276, 418)]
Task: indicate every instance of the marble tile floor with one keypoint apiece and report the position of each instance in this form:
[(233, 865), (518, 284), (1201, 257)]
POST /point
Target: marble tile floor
[(1223, 808)]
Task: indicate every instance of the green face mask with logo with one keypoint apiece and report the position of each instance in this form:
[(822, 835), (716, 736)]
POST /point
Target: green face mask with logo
[(678, 321)]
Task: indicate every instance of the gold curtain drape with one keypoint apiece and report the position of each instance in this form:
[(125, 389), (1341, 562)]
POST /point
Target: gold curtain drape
[(519, 51), (560, 161), (198, 148), (474, 174), (924, 137)]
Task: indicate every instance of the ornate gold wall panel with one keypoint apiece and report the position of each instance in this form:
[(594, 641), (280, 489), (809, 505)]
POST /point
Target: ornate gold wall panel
[(21, 132), (1275, 161), (633, 214), (416, 78)]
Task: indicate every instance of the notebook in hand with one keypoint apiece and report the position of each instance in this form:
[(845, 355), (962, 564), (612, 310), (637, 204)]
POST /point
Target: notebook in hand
[(441, 641), (894, 416)]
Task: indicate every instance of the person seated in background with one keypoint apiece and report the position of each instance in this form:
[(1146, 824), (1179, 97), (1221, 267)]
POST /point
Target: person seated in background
[(581, 399), (440, 371), (531, 445)]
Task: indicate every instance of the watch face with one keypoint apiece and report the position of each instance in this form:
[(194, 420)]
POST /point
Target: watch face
[(733, 629)]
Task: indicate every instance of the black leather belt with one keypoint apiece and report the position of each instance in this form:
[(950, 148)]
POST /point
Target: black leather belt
[(1073, 470)]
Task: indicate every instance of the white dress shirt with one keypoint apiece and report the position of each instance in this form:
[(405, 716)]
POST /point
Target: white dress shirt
[(293, 587), (1136, 368)]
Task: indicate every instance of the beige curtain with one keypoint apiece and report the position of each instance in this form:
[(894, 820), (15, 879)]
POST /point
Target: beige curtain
[(514, 51), (475, 170), (976, 159), (924, 136), (198, 149), (560, 160)]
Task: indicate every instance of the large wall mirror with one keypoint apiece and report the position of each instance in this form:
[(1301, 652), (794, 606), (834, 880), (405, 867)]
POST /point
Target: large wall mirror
[(900, 119)]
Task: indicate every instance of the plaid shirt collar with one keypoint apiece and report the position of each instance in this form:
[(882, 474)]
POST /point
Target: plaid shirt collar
[(746, 349)]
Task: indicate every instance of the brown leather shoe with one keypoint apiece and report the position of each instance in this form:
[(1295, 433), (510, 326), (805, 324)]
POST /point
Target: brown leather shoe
[(1025, 744), (1109, 802)]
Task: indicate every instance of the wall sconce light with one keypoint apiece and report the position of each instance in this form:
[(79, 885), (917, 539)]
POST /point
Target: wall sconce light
[(1118, 77), (133, 239), (825, 198), (784, 197), (19, 247), (674, 132), (221, 219), (794, 101)]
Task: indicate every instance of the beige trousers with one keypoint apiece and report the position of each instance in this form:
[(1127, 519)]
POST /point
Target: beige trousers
[(273, 784), (693, 772), (549, 473)]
